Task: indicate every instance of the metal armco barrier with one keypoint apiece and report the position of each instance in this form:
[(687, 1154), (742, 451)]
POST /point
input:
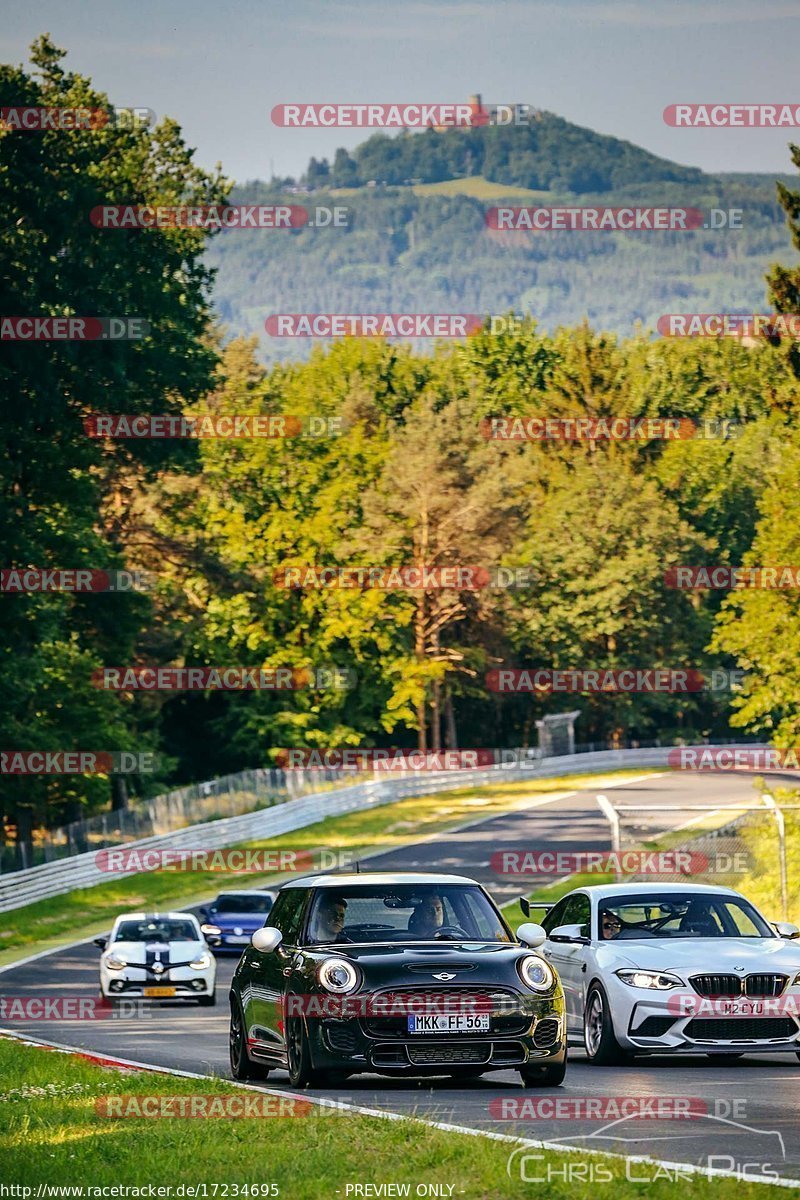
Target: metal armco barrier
[(19, 888)]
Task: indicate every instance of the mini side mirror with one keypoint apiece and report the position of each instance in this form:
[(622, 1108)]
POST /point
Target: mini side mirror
[(786, 929), (266, 940), (525, 905), (572, 934), (531, 935), (101, 943)]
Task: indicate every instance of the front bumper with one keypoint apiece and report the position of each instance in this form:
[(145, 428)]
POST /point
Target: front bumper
[(136, 983), (644, 1021)]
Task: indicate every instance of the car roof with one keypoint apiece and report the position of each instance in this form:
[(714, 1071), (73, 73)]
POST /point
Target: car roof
[(600, 891), (252, 893), (157, 916), (379, 878)]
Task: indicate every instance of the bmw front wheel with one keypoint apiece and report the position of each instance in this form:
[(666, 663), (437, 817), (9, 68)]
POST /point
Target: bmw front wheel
[(602, 1047)]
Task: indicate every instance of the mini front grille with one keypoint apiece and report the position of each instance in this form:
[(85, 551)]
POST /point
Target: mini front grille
[(503, 1006), (434, 1056), (546, 1033), (736, 985), (653, 1027), (740, 1029)]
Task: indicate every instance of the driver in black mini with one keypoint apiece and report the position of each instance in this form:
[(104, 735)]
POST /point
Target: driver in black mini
[(329, 921), (428, 917)]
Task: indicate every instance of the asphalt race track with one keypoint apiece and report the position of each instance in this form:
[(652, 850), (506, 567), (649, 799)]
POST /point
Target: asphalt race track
[(752, 1104)]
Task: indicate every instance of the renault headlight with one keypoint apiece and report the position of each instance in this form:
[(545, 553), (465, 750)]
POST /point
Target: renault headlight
[(115, 963), (535, 973), (338, 975), (201, 962), (657, 981)]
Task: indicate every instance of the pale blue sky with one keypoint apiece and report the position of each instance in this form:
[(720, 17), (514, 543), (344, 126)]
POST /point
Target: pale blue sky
[(218, 66)]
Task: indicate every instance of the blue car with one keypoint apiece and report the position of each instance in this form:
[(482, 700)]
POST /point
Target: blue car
[(232, 919)]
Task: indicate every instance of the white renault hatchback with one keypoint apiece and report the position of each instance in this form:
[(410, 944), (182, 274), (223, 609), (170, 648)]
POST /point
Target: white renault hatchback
[(673, 968), (157, 956)]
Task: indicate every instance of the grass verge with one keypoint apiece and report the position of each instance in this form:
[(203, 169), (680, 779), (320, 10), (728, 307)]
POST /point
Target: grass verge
[(89, 911), (52, 1134)]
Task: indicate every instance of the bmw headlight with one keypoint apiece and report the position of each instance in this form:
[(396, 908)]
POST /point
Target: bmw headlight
[(210, 929), (657, 981), (114, 963), (535, 973), (201, 962), (338, 975)]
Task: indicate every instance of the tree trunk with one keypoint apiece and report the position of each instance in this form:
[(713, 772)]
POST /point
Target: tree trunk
[(450, 732), (119, 793)]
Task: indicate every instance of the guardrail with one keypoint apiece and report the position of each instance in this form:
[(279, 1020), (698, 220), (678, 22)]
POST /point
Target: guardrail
[(19, 888)]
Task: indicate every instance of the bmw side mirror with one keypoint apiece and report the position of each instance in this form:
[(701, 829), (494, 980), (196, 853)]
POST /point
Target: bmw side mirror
[(786, 929), (531, 935), (266, 940), (101, 943), (572, 934)]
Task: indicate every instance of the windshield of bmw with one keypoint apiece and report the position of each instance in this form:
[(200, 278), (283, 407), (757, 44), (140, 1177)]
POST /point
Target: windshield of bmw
[(689, 915), (156, 931), (243, 904), (403, 913)]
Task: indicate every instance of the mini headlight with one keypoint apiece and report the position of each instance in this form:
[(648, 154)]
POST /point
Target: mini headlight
[(114, 963), (338, 975), (210, 929), (536, 973), (796, 980), (202, 962), (658, 981)]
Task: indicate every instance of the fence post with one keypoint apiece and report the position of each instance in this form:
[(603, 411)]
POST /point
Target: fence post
[(769, 803), (612, 816)]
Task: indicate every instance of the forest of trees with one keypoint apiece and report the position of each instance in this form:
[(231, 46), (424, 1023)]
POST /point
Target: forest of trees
[(410, 479)]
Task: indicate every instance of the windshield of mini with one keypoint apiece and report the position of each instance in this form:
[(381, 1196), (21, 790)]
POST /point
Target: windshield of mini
[(243, 904), (156, 931), (403, 913), (689, 915)]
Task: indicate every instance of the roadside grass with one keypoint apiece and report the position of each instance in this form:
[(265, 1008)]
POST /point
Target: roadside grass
[(476, 186), (52, 1134), (90, 911)]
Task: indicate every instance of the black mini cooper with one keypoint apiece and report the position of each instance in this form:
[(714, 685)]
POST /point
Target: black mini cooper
[(400, 975)]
